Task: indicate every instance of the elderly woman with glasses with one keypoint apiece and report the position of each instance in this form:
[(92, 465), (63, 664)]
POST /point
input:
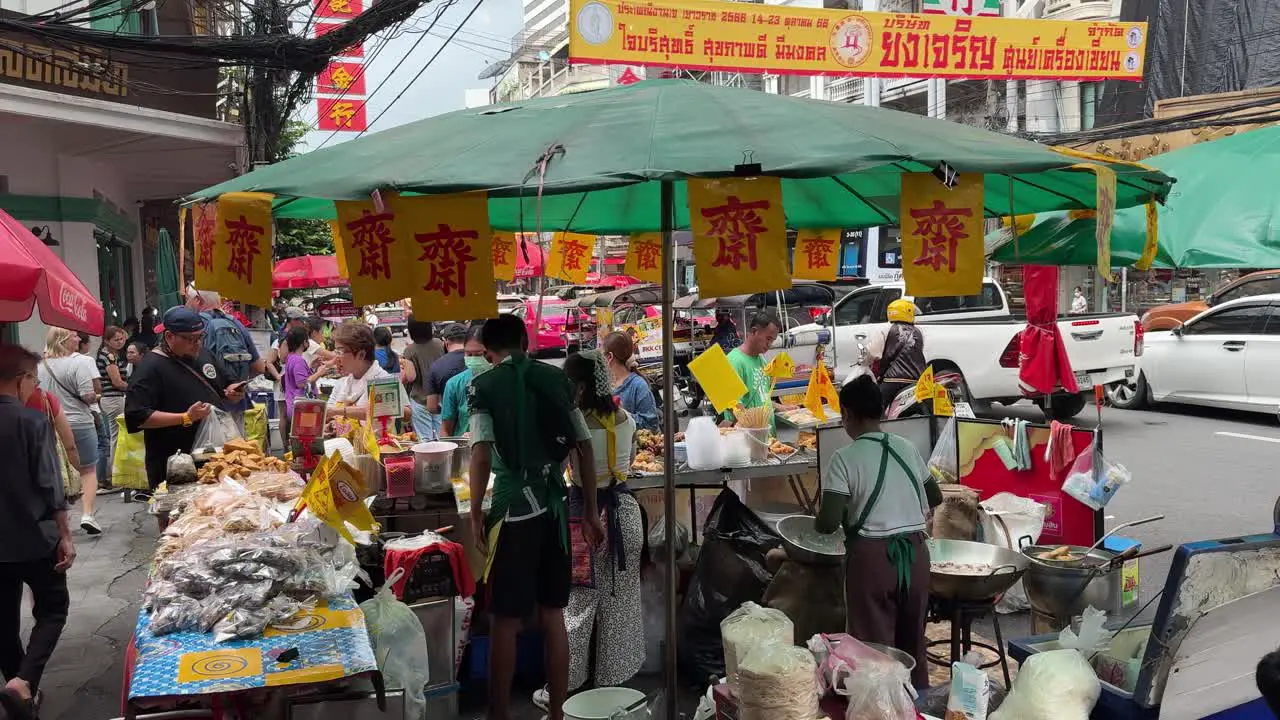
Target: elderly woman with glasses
[(356, 364)]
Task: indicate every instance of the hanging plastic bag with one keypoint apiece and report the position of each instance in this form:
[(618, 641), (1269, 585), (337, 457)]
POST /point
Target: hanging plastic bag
[(400, 645), (944, 461), (1054, 685), (129, 461), (216, 430), (1094, 480), (1092, 638), (1005, 518), (180, 469)]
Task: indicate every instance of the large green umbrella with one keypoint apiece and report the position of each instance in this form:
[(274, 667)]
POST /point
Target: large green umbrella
[(166, 272), (840, 162), (1223, 213)]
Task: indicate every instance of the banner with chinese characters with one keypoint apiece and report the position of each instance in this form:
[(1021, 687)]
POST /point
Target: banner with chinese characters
[(942, 231), (204, 237), (709, 35), (378, 255), (355, 51), (503, 253), (242, 248), (451, 257), (343, 114), (338, 9), (739, 235), (817, 255), (343, 78), (570, 257), (644, 257)]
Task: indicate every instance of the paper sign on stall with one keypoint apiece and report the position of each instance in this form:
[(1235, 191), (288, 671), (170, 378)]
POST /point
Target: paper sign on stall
[(376, 252), (384, 398), (942, 402), (739, 235), (718, 379), (644, 257), (942, 235), (242, 250), (204, 231), (570, 257), (817, 255), (503, 252), (452, 264)]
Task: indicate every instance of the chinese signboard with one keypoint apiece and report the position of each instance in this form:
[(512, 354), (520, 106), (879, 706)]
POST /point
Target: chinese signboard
[(962, 8), (342, 78), (570, 257), (450, 256), (340, 87), (817, 255), (707, 35), (739, 235), (377, 256), (340, 9), (341, 113), (942, 230), (204, 232), (242, 248), (644, 257), (503, 252)]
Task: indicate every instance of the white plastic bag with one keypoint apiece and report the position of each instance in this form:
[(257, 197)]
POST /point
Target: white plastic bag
[(216, 430), (1094, 480), (944, 461), (751, 626), (400, 645), (1054, 685), (1005, 519), (878, 689), (1092, 638)]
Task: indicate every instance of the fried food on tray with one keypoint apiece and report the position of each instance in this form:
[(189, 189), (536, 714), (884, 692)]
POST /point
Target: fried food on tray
[(808, 441), (780, 448), (646, 462), (238, 459), (650, 440)]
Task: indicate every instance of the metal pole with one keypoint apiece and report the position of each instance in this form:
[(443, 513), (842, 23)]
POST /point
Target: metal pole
[(669, 429)]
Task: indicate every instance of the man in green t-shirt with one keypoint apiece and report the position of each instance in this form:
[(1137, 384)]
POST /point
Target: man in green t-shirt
[(524, 425), (748, 362)]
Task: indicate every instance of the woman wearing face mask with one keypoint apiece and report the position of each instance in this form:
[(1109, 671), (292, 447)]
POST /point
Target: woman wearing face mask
[(454, 419), (629, 388)]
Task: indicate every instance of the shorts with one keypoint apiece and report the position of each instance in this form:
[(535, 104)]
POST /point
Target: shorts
[(86, 444), (530, 568)]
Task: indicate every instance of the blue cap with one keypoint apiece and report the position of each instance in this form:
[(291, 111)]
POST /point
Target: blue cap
[(181, 319)]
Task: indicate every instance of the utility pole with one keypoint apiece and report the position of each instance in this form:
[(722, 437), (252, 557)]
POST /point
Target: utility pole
[(871, 98)]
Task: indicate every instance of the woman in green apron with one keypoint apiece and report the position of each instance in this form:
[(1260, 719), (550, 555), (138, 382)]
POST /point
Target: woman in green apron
[(878, 491)]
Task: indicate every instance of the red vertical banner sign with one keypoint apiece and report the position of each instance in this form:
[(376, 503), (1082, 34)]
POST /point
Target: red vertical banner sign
[(340, 87), (340, 113), (338, 9)]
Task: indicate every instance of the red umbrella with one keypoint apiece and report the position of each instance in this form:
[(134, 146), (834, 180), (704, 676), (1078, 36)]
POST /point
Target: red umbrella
[(34, 275), (1042, 356), (307, 272), (617, 281), (528, 258)]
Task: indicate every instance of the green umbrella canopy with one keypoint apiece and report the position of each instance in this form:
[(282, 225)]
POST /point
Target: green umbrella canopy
[(839, 162), (166, 272), (1223, 213)]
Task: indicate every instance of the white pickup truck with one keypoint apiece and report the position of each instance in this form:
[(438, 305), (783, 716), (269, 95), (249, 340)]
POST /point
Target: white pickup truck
[(977, 336)]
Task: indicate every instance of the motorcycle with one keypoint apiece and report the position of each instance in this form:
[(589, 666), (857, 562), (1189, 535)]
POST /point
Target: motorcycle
[(904, 403)]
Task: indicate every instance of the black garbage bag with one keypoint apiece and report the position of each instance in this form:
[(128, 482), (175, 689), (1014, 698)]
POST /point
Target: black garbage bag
[(731, 570)]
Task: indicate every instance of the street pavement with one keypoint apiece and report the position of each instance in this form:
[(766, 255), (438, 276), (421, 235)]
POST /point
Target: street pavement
[(1211, 473)]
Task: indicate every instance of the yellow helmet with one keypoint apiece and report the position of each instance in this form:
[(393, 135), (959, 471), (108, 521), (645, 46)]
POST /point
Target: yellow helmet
[(903, 311)]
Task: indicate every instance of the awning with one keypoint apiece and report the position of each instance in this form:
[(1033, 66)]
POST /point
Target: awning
[(35, 276), (307, 272)]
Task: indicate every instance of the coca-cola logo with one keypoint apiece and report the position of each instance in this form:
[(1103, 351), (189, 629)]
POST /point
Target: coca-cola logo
[(73, 303)]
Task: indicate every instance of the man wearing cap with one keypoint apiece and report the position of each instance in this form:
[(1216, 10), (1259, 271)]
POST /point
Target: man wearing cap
[(173, 389), (451, 363)]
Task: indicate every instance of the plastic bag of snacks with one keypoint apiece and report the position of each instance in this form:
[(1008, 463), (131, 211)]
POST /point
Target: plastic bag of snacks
[(1053, 685), (751, 626), (1094, 480)]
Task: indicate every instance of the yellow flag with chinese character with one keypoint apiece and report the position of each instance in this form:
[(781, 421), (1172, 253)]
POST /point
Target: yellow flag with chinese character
[(644, 257), (1105, 204), (504, 256), (570, 257), (925, 385), (781, 367), (377, 251), (339, 254), (942, 402), (452, 256), (1151, 245), (204, 238), (820, 389), (739, 235), (817, 255), (242, 249), (718, 379), (942, 234)]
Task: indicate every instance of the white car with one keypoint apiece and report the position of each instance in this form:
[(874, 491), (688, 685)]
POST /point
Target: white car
[(1225, 357)]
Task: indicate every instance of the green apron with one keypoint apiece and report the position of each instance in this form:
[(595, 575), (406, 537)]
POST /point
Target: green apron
[(902, 554)]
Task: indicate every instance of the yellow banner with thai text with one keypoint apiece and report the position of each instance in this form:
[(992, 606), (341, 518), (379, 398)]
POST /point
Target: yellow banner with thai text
[(817, 255), (452, 260), (377, 251), (708, 35), (942, 232), (570, 257), (503, 252), (739, 235), (644, 257), (242, 248)]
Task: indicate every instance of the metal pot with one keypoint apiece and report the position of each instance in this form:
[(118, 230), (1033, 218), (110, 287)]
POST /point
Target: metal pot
[(791, 529), (1006, 567), (1064, 591), (460, 467)]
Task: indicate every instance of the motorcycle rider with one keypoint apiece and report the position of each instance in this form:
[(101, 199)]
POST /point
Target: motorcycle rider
[(898, 352)]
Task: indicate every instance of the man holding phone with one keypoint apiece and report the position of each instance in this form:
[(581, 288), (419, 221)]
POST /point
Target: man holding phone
[(173, 389)]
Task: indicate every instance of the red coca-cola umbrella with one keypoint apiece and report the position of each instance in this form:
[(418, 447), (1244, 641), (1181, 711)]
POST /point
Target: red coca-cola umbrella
[(307, 272), (1042, 357), (528, 258), (616, 281), (35, 277)]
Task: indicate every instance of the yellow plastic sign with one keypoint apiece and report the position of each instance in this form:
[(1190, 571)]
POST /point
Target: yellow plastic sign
[(376, 252), (451, 261), (942, 235), (503, 252), (335, 494), (716, 376), (739, 235), (570, 257), (942, 402), (817, 255), (781, 367), (925, 385), (644, 257), (820, 388), (242, 251)]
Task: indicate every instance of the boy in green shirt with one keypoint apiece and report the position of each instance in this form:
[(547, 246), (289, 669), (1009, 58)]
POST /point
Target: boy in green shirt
[(748, 362)]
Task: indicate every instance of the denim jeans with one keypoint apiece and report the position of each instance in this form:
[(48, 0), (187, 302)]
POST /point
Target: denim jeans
[(426, 425), (112, 407)]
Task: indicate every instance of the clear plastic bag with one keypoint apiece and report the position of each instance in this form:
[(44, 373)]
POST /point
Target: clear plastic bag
[(1053, 685), (877, 686), (944, 461), (217, 429), (180, 469), (400, 645), (1092, 637), (1094, 480), (749, 627)]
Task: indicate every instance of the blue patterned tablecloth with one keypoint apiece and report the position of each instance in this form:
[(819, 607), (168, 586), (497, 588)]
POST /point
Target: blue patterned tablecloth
[(331, 640)]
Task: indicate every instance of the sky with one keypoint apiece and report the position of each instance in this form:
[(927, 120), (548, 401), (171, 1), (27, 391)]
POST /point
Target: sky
[(483, 40)]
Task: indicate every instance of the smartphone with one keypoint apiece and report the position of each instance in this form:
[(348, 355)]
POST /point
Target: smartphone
[(237, 387)]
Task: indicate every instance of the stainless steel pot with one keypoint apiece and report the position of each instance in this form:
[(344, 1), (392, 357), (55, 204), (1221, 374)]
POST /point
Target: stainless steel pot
[(461, 465), (792, 529), (1064, 591), (1005, 564)]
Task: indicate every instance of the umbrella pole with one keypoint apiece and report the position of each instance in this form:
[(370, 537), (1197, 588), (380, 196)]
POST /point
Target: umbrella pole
[(669, 428)]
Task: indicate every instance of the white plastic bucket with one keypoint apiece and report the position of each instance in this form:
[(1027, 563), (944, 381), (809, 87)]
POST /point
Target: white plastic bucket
[(432, 463), (604, 704)]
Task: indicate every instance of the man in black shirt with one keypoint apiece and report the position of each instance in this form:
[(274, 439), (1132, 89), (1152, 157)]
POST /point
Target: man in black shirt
[(451, 363), (173, 389), (35, 541)]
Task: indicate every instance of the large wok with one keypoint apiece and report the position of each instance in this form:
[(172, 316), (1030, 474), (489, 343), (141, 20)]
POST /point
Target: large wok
[(1005, 565)]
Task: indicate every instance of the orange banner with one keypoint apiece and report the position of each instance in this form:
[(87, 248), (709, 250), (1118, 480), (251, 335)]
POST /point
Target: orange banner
[(570, 257), (503, 253), (644, 257), (242, 250), (709, 35), (452, 259), (817, 255), (942, 231), (739, 235), (378, 255), (204, 238)]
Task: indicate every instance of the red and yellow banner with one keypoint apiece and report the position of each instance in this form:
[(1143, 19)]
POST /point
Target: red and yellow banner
[(451, 257), (376, 253), (739, 235), (342, 114), (570, 257), (242, 248), (644, 257), (709, 35), (503, 252), (343, 9), (342, 78), (356, 51), (817, 255), (942, 232), (204, 238)]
